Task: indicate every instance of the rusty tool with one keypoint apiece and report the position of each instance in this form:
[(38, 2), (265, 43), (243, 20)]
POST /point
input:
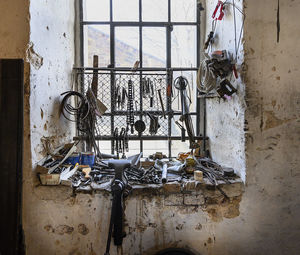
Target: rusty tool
[(161, 103)]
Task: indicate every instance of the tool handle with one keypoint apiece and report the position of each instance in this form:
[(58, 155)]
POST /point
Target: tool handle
[(182, 135)]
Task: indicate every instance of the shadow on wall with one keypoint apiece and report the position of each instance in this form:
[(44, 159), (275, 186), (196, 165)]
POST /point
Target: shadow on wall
[(175, 251), (165, 250)]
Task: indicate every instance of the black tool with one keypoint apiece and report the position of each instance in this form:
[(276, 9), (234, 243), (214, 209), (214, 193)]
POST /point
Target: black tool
[(130, 114), (116, 141), (123, 142), (123, 98), (181, 84), (209, 40), (140, 126), (118, 187), (151, 95), (154, 125), (182, 131), (226, 89), (161, 103)]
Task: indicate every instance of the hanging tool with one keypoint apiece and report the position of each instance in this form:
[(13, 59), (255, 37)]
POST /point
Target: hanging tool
[(95, 76), (122, 141), (144, 81), (218, 13), (152, 94), (140, 126), (116, 141), (161, 103), (226, 89), (209, 40), (181, 84), (118, 97), (130, 113), (182, 131), (123, 98), (154, 125)]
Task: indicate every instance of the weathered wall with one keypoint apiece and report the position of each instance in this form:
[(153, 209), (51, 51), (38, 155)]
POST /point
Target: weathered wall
[(225, 119), (14, 38), (56, 222), (50, 52)]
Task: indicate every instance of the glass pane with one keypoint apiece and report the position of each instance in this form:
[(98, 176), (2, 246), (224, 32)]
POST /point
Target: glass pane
[(105, 146), (126, 46), (96, 42), (126, 10), (150, 147), (134, 148), (183, 46), (155, 10), (154, 47), (95, 10), (191, 91), (183, 11), (178, 147)]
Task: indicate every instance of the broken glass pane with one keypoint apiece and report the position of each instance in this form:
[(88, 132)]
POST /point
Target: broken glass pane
[(126, 46), (154, 47), (95, 10), (96, 42)]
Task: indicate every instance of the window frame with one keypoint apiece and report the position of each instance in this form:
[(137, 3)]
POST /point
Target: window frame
[(200, 101)]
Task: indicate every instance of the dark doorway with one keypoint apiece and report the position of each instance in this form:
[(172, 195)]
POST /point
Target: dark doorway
[(11, 147)]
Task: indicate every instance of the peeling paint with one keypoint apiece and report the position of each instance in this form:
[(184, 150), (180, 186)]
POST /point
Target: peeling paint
[(33, 58)]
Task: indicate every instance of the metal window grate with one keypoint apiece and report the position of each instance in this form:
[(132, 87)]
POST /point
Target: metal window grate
[(116, 114)]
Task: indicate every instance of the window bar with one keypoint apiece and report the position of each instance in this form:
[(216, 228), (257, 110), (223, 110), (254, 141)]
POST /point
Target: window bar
[(112, 78), (141, 65), (168, 41), (201, 102)]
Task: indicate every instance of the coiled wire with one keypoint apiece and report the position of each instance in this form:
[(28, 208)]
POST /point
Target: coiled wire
[(206, 81)]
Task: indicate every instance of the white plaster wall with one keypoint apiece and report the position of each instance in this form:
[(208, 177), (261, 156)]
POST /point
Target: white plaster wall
[(52, 37), (225, 119)]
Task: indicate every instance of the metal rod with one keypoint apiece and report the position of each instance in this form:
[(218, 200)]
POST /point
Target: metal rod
[(137, 23), (129, 69), (141, 65), (136, 113), (146, 138)]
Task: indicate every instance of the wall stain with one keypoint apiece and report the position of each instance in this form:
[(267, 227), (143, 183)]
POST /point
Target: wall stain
[(64, 229), (228, 208), (198, 226), (82, 229), (272, 121)]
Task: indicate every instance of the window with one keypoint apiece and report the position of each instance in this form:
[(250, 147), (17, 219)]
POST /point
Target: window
[(163, 36)]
